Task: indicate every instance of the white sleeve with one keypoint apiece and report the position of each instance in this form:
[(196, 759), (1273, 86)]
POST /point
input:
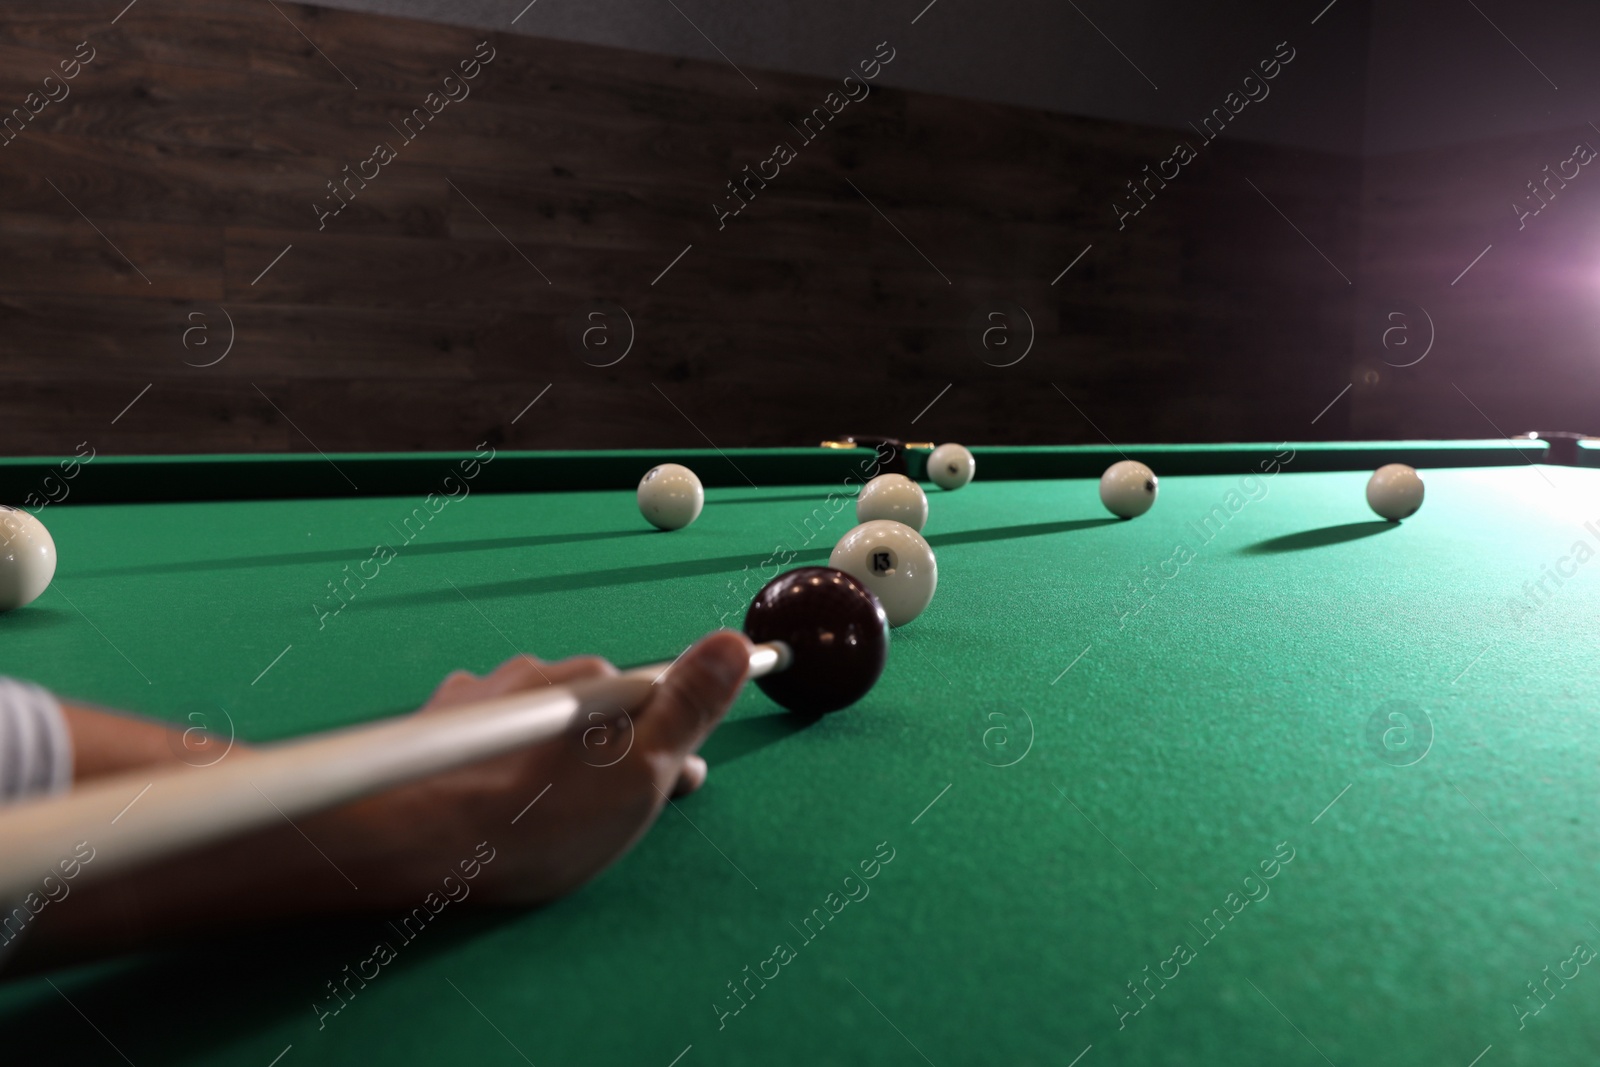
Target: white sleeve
[(35, 747), (35, 760)]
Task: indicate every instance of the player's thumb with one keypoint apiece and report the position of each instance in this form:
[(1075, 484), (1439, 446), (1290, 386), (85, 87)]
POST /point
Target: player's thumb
[(696, 692)]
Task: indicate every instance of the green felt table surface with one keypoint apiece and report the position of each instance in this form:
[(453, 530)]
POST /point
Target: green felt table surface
[(1081, 759)]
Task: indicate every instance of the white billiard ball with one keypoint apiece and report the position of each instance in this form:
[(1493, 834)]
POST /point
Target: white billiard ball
[(892, 560), (951, 466), (1395, 491), (893, 496), (27, 558), (671, 496), (1128, 488)]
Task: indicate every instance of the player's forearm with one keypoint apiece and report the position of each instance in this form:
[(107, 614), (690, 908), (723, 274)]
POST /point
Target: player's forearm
[(340, 862), (106, 742)]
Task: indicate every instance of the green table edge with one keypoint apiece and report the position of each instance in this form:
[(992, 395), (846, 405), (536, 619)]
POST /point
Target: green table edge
[(32, 482)]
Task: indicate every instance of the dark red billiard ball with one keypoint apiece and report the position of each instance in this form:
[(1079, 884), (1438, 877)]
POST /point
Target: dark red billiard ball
[(836, 630)]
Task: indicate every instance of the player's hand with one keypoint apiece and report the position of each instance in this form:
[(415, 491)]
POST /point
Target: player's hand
[(558, 813)]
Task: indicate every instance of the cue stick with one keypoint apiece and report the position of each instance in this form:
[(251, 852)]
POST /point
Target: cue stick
[(139, 816)]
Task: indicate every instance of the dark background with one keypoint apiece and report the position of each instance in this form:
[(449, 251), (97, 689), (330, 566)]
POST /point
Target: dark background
[(1264, 294)]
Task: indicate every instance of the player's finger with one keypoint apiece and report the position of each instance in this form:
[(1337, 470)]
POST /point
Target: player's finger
[(691, 777), (457, 688), (695, 693), (530, 672)]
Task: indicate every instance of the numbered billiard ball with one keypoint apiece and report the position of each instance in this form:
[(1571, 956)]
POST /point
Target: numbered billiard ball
[(837, 633), (1128, 488), (951, 466), (893, 496), (670, 496), (27, 558), (892, 560), (1395, 491)]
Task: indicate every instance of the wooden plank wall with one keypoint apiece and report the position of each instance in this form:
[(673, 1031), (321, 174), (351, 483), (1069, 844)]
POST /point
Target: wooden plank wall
[(141, 211)]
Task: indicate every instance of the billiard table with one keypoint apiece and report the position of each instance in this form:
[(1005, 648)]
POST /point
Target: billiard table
[(1254, 778)]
